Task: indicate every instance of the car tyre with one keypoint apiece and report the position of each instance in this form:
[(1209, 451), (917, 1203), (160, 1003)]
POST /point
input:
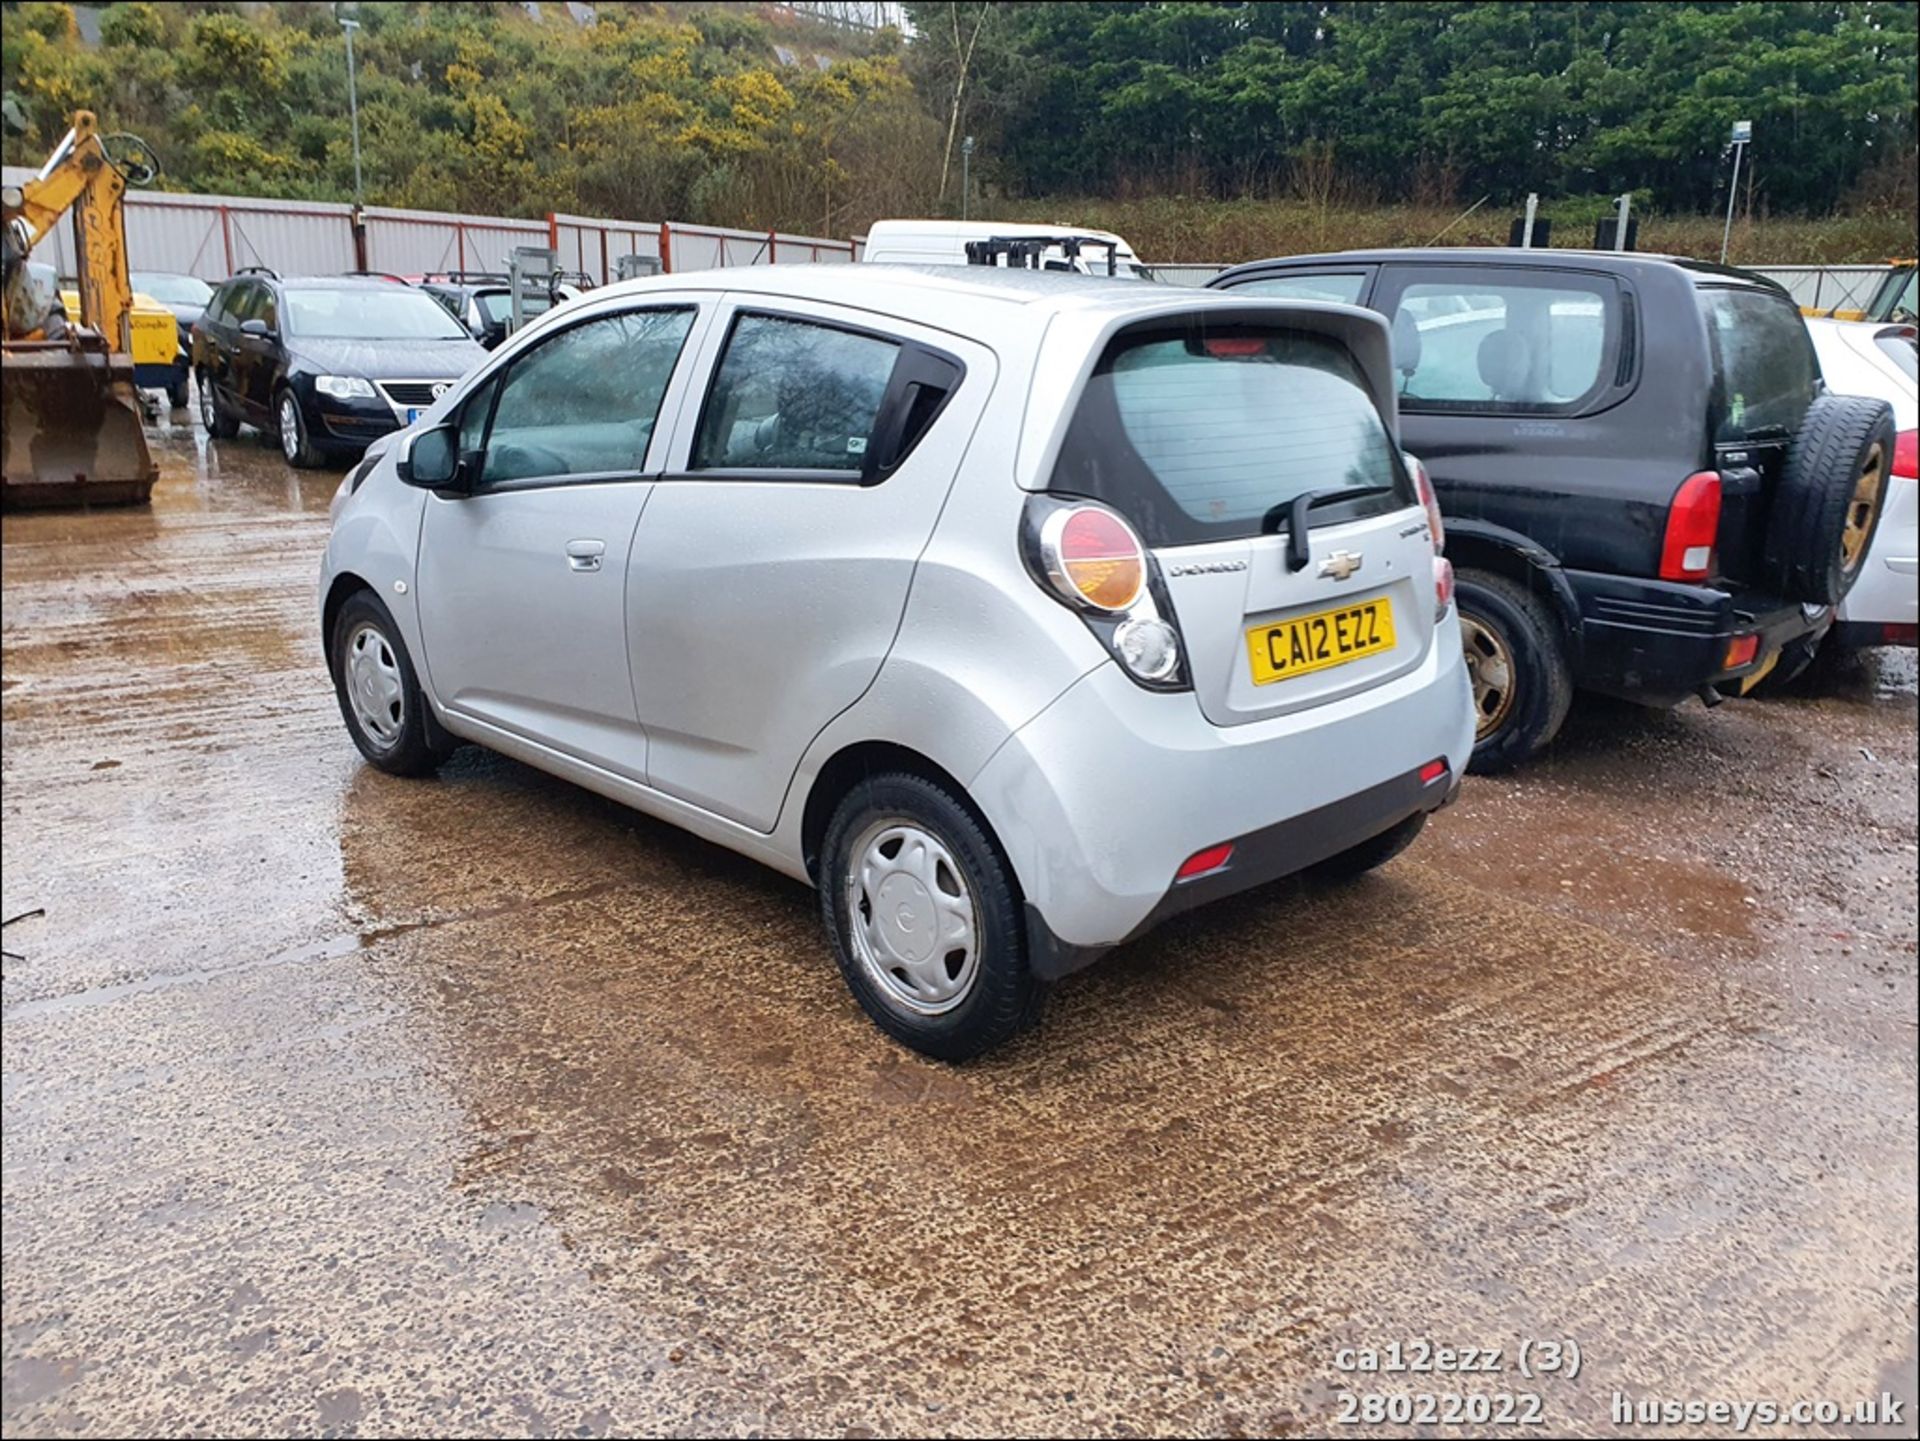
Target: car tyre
[(295, 444), (213, 415), (1371, 853), (379, 694), (1522, 683), (1830, 497), (926, 919)]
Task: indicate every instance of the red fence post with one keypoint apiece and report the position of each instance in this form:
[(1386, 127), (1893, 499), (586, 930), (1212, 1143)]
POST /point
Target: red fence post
[(553, 234), (666, 248), (773, 248), (226, 235)]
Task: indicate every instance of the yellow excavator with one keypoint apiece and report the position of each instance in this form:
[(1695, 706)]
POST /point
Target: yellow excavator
[(73, 420)]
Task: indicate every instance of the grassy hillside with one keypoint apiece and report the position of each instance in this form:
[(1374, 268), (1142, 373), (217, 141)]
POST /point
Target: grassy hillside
[(1173, 228)]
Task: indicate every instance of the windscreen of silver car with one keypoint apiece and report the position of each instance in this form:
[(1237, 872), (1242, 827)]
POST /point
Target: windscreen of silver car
[(1197, 433)]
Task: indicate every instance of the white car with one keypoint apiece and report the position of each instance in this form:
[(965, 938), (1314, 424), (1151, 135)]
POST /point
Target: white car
[(1878, 360), (1015, 612), (1052, 247)]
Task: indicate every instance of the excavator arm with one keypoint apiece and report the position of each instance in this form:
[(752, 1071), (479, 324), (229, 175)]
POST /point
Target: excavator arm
[(80, 176)]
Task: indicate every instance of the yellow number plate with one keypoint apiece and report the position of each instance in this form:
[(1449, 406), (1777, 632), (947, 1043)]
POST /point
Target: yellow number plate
[(1314, 642)]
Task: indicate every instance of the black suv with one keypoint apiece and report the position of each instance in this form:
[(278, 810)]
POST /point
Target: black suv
[(1647, 491), (328, 364)]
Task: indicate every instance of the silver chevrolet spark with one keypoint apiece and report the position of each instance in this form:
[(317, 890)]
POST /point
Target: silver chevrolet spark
[(1014, 612)]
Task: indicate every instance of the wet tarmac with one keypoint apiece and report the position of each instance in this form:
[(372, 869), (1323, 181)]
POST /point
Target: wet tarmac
[(347, 1105)]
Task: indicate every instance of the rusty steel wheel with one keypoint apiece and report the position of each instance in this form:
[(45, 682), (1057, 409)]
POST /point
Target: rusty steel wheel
[(1490, 670), (1863, 506)]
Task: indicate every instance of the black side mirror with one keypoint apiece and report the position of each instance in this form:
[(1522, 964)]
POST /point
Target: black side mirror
[(255, 327), (431, 459)]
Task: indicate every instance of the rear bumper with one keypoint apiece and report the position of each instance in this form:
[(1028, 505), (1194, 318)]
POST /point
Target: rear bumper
[(1099, 799), (1659, 642)]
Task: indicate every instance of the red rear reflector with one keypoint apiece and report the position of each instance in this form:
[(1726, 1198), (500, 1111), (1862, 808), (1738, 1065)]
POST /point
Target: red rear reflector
[(1432, 771), (1200, 862), (1906, 457), (1693, 526), (1894, 633), (1741, 650), (1234, 347)]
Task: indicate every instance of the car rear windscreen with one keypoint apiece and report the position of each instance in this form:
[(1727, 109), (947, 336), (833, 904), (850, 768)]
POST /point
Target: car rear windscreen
[(1208, 432)]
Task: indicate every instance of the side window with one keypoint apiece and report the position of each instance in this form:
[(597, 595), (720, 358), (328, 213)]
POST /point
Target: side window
[(584, 401), (1764, 365), (218, 308), (1342, 289), (793, 395), (241, 306), (265, 307), (1504, 342)]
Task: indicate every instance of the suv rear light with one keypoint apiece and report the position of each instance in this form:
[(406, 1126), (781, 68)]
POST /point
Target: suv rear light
[(1092, 561), (1740, 651), (1423, 483), (1693, 527), (1905, 460), (1442, 587)]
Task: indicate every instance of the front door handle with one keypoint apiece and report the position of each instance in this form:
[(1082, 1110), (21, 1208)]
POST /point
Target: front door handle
[(585, 554)]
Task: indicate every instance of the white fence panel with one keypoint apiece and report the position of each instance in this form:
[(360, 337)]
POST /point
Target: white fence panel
[(414, 242), (315, 240), (595, 246), (1826, 287)]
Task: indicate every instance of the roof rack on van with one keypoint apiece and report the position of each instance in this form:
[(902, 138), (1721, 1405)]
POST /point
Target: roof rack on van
[(1029, 252), (266, 270), (466, 277), (375, 275)]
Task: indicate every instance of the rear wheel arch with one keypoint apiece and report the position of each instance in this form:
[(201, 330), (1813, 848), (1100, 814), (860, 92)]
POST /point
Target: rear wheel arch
[(344, 585), (853, 763), (1513, 557)]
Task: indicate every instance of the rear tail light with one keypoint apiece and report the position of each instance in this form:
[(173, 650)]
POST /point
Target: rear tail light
[(1093, 558), (1423, 483), (1741, 650), (1205, 862), (1906, 461), (1442, 586), (1092, 561), (1693, 528), (1235, 347)]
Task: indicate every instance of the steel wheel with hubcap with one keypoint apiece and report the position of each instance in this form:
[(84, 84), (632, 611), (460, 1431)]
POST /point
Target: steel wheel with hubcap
[(914, 927), (925, 917), (380, 697), (374, 685)]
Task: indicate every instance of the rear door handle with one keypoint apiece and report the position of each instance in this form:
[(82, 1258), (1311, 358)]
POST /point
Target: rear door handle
[(585, 554)]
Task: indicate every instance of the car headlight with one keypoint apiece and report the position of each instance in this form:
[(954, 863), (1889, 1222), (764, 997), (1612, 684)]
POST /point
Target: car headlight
[(344, 387)]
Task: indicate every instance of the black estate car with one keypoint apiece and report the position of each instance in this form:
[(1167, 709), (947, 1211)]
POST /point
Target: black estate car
[(1647, 491), (327, 363)]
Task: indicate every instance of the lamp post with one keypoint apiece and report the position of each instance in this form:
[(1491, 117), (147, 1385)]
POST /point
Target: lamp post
[(353, 103), (1742, 133), (966, 157)]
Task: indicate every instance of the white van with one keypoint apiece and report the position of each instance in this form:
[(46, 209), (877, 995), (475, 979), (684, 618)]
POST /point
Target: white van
[(944, 242)]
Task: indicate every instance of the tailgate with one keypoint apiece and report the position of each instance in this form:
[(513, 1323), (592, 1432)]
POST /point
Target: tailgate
[(1262, 640)]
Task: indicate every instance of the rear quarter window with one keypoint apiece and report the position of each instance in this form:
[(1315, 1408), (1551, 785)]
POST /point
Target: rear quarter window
[(1506, 342), (1202, 433), (1764, 367)]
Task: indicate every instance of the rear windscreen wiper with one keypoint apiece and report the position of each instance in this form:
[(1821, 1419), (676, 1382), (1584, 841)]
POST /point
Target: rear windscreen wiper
[(1294, 512)]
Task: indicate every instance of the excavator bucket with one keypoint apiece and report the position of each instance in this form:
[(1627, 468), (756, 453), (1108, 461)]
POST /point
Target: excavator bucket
[(73, 431)]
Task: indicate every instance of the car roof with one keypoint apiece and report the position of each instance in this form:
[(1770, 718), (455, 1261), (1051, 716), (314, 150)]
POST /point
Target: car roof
[(1623, 261), (922, 291)]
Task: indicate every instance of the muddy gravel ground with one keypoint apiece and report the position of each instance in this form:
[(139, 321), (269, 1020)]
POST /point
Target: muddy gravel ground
[(342, 1104)]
